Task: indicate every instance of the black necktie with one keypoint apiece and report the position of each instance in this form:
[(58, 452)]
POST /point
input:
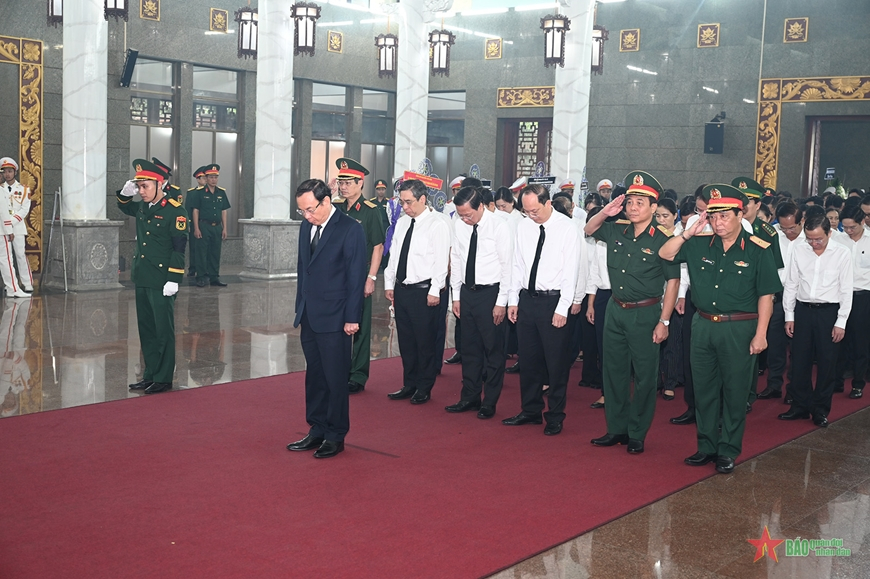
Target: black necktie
[(471, 263), (533, 277), (402, 269), (315, 240)]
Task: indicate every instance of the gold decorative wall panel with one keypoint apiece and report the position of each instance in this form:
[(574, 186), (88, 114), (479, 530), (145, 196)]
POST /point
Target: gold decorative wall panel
[(492, 49), (774, 92), (708, 35), (629, 40), (796, 30), (526, 96), (149, 10), (218, 20), (27, 55), (334, 41)]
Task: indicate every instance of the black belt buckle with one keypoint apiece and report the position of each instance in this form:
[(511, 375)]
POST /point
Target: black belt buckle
[(533, 293)]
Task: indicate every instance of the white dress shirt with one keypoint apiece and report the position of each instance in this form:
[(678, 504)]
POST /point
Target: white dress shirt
[(583, 251), (322, 226), (428, 254), (514, 218), (493, 262), (557, 269), (860, 261), (825, 278), (785, 249), (599, 277)]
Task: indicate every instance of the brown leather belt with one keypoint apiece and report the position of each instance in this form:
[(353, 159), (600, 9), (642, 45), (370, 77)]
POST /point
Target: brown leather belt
[(728, 317), (640, 304), (212, 223)]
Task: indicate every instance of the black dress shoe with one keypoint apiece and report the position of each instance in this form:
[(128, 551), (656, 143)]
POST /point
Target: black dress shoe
[(610, 440), (486, 412), (794, 414), (687, 417), (634, 446), (307, 443), (515, 369), (521, 419), (667, 396), (420, 397), (454, 359), (596, 405), (158, 387), (140, 385), (769, 393), (724, 464), (329, 448), (218, 283), (700, 459), (788, 399), (404, 393), (839, 387), (553, 428), (820, 420), (760, 372), (463, 406), (354, 388), (856, 393)]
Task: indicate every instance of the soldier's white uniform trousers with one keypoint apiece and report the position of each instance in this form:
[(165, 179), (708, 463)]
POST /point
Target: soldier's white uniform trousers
[(7, 251), (19, 207)]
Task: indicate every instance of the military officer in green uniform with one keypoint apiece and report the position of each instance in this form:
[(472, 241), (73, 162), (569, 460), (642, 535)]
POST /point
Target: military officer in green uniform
[(210, 228), (158, 267), (351, 178), (190, 199), (381, 201), (637, 322), (171, 191), (754, 191), (733, 276)]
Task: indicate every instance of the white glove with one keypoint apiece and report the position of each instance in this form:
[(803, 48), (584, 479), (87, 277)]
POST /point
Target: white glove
[(129, 189), (170, 288)]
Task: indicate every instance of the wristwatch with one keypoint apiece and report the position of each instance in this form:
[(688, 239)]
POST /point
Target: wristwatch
[(665, 323), (373, 277)]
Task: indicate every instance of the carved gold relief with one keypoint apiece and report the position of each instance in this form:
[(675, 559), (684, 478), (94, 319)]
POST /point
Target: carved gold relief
[(334, 41), (629, 40), (708, 35), (796, 30), (9, 49), (527, 96), (492, 48), (775, 92), (149, 10), (218, 20)]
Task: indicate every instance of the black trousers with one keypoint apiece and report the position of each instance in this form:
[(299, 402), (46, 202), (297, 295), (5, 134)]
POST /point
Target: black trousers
[(326, 394), (812, 333), (688, 382), (591, 355), (441, 330), (544, 353), (855, 351), (417, 325), (777, 346), (482, 346), (602, 298)]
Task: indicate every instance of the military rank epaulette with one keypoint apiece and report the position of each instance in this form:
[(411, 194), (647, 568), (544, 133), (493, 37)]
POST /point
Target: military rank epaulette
[(664, 230), (339, 200), (759, 242), (768, 228), (176, 187), (192, 189), (623, 221), (174, 203), (370, 204), (703, 234)]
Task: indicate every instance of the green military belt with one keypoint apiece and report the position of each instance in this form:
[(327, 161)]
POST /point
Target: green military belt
[(728, 317)]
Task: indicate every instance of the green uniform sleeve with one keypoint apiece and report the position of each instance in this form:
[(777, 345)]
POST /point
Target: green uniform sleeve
[(226, 200), (767, 281), (605, 232), (127, 205), (777, 253), (375, 228), (178, 234)]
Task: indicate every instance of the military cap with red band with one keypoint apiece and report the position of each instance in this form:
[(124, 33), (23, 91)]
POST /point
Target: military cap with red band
[(643, 184), (213, 169), (8, 163), (350, 169), (750, 188), (199, 173), (148, 171), (722, 197), (162, 165)]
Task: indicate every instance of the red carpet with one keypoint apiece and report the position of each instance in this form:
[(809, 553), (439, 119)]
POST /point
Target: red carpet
[(198, 483)]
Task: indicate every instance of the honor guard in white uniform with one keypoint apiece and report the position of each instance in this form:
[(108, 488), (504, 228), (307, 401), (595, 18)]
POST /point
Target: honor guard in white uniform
[(13, 212)]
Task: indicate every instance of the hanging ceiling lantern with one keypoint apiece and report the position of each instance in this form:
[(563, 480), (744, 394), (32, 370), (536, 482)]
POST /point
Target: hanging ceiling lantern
[(55, 12), (116, 9), (305, 15), (440, 42), (599, 36), (248, 20), (388, 45), (554, 28)]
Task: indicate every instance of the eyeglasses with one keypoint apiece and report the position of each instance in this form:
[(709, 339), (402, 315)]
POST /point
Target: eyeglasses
[(304, 212), (791, 229), (816, 241), (406, 202)]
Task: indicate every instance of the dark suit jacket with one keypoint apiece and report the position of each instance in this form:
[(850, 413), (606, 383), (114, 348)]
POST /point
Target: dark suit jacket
[(330, 285)]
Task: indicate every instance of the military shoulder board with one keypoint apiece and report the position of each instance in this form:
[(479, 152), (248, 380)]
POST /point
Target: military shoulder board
[(664, 230), (174, 203), (623, 221), (759, 242), (370, 204)]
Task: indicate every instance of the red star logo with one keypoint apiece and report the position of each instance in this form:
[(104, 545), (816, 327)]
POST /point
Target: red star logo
[(765, 545)]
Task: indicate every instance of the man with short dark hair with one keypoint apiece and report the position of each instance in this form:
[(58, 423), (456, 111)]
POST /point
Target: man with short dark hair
[(329, 295), (817, 300), (480, 262), (210, 228), (413, 282), (865, 207), (189, 201)]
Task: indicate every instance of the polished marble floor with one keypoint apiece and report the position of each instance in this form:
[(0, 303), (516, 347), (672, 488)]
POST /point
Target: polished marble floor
[(64, 350)]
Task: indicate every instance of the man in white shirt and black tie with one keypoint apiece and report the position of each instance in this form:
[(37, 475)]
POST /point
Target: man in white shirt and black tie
[(480, 262), (817, 299), (413, 283), (543, 284)]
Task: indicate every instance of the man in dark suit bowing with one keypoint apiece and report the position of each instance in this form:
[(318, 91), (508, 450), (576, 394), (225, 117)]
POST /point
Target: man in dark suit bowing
[(329, 299)]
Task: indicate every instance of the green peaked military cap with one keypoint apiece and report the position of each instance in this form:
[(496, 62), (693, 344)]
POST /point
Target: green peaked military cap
[(350, 169), (642, 183), (213, 169), (380, 183), (199, 173), (722, 197), (162, 165), (148, 171), (750, 188)]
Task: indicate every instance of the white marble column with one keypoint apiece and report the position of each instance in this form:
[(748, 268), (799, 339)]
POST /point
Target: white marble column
[(412, 86), (271, 236), (272, 173), (571, 106), (85, 117)]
